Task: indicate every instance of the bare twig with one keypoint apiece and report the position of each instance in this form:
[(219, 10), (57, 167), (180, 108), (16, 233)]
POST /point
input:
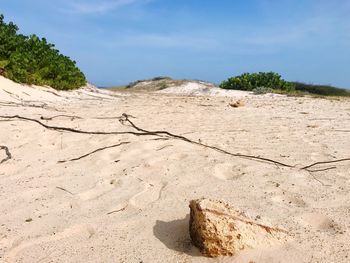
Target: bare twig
[(326, 162), (126, 119), (58, 116), (15, 96), (321, 170), (7, 152), (95, 151), (116, 211), (58, 128), (161, 148), (65, 190)]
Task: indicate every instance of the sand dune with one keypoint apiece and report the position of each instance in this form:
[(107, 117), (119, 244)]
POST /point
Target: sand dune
[(129, 203)]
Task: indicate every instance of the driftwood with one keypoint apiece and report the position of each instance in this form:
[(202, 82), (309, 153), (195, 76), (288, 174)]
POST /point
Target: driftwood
[(125, 119), (58, 128), (7, 152), (95, 151)]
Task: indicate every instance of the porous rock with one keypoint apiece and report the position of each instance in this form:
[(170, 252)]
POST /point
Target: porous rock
[(218, 229), (238, 103)]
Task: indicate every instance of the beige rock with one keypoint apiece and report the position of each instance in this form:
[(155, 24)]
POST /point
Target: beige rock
[(218, 229), (238, 103)]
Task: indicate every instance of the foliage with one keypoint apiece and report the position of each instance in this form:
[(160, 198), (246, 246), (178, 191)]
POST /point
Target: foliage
[(324, 90), (161, 78), (134, 83), (262, 90), (29, 59), (251, 81)]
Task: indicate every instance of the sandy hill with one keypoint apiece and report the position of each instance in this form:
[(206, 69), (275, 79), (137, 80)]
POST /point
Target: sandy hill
[(170, 86), (81, 182), (11, 92), (162, 83)]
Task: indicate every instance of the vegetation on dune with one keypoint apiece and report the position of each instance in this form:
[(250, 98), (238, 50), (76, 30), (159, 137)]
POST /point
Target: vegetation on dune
[(264, 82), (161, 79), (31, 60), (251, 81), (324, 90)]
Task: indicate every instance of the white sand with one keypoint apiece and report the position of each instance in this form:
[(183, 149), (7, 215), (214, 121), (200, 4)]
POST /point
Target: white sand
[(198, 89), (203, 89), (149, 182)]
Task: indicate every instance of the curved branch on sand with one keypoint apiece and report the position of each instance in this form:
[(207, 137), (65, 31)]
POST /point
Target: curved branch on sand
[(7, 152), (125, 119)]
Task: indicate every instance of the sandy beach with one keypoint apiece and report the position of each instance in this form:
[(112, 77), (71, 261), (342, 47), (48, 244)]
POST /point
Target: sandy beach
[(113, 193)]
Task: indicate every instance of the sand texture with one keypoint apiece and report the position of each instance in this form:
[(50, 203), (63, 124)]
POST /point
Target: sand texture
[(67, 196)]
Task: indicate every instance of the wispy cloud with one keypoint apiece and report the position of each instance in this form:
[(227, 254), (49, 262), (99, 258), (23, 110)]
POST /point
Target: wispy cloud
[(99, 7)]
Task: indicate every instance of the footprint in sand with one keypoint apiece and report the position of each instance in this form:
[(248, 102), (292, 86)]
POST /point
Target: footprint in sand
[(227, 171), (100, 189), (151, 193), (79, 231)]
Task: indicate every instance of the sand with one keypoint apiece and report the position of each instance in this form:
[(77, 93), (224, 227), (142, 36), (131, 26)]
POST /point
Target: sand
[(130, 203)]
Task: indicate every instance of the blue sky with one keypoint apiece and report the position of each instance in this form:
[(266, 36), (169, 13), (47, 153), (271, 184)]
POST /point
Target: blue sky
[(118, 41)]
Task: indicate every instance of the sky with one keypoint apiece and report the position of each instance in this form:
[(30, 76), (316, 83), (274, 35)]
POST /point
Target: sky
[(115, 42)]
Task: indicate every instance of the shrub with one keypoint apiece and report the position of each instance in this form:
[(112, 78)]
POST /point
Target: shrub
[(161, 78), (134, 83), (324, 90), (29, 59), (251, 81), (262, 90)]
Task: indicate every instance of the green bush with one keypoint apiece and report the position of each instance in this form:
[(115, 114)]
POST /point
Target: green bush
[(29, 59), (251, 81), (324, 90), (161, 78)]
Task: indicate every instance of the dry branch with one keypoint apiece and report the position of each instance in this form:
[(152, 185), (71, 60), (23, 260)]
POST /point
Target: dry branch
[(116, 211), (65, 190), (322, 170), (252, 157), (72, 117), (326, 162), (7, 152), (95, 151), (166, 146), (58, 128), (125, 119)]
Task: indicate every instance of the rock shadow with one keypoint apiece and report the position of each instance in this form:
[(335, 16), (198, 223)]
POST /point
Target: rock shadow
[(175, 236)]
